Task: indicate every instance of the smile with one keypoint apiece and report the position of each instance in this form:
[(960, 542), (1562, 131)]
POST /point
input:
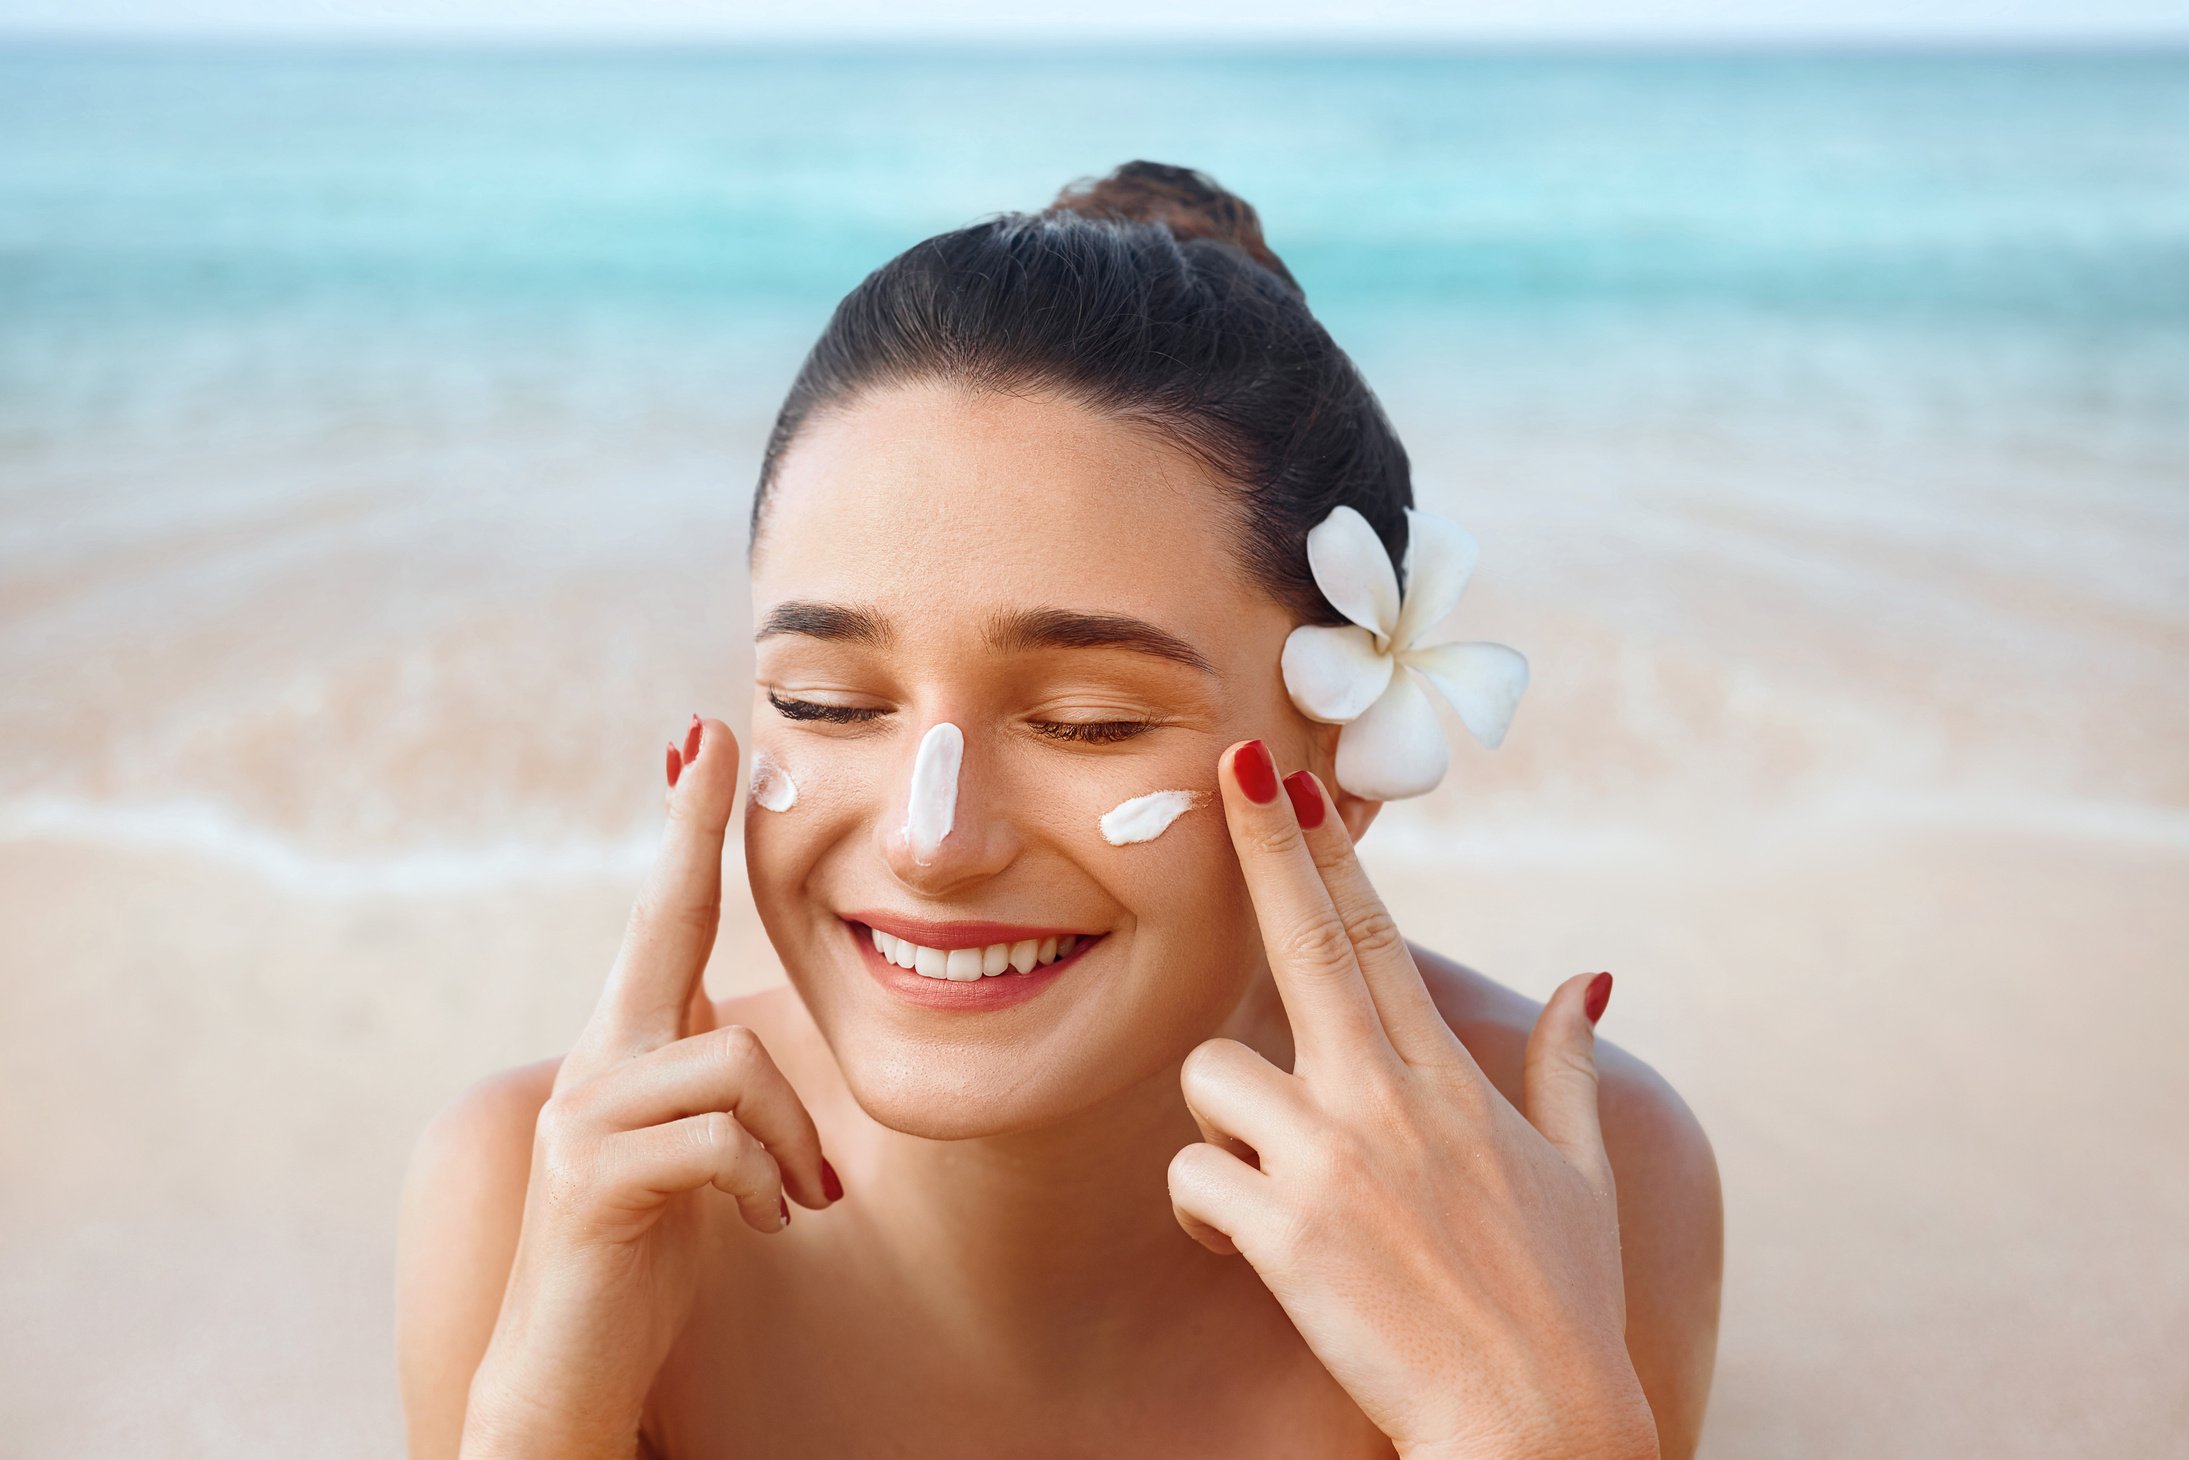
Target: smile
[(993, 963), (966, 964)]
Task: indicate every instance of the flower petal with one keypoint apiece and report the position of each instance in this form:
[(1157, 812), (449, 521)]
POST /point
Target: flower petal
[(1396, 748), (1440, 557), (1353, 569), (1483, 682), (1333, 671)]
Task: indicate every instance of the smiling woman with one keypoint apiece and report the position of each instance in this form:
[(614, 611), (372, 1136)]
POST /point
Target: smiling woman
[(1179, 1148)]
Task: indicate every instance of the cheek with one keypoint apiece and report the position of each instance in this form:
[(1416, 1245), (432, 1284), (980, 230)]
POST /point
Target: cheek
[(770, 786), (790, 803), (1145, 817), (1182, 885), (1196, 944), (1150, 829)]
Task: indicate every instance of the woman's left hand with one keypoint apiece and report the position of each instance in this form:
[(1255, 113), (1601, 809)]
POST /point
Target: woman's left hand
[(1453, 1263)]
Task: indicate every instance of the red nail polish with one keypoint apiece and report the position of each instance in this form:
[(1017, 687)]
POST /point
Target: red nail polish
[(1599, 995), (1256, 772), (831, 1187), (784, 1203), (691, 741), (675, 765), (1307, 801)]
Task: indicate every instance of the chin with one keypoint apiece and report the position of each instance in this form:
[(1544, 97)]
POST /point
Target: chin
[(960, 1093)]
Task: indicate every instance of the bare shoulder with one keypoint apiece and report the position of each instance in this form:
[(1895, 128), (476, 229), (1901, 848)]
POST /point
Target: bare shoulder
[(456, 1235), (1494, 1022), (1671, 1208)]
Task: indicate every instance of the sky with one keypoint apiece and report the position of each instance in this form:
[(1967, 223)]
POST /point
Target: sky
[(1483, 20)]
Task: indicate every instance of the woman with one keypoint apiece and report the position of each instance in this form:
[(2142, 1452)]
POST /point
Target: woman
[(1127, 1121)]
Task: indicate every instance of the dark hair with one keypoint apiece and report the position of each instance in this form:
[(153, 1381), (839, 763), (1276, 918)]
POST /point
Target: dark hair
[(1148, 296)]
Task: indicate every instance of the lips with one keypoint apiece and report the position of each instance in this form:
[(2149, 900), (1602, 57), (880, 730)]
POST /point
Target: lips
[(959, 933), (959, 977), (966, 964)]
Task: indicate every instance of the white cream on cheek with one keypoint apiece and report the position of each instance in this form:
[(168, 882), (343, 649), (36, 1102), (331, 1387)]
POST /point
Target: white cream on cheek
[(771, 786), (932, 803), (1144, 818)]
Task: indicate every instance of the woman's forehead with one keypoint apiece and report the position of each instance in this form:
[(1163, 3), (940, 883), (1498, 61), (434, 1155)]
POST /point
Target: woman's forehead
[(926, 492)]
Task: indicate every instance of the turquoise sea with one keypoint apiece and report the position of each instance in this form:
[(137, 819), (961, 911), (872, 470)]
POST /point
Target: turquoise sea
[(1999, 241), (315, 365)]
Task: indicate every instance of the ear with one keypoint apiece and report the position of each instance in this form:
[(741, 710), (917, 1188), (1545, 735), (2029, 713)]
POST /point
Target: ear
[(1357, 812)]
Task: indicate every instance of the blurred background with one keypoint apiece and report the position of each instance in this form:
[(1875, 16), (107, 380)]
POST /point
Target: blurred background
[(382, 390)]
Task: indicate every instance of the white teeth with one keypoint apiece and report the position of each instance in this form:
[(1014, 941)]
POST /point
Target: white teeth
[(964, 965)]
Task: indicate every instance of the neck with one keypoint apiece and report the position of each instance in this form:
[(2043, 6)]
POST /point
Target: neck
[(1055, 1251)]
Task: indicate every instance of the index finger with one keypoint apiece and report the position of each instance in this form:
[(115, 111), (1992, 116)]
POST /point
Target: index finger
[(1409, 1012), (673, 920), (1310, 952)]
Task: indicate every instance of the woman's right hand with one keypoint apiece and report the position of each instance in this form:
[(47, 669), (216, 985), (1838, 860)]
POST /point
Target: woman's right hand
[(651, 1108)]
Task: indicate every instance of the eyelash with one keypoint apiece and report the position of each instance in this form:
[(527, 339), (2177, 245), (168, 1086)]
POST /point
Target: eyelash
[(1099, 732), (811, 710)]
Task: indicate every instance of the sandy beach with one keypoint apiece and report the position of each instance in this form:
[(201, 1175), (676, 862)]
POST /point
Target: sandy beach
[(1953, 1218), (375, 450), (1908, 947)]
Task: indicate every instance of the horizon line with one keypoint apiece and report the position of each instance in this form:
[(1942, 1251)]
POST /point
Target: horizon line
[(2162, 44)]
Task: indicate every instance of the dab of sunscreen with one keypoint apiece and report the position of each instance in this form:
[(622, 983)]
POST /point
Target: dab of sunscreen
[(772, 786), (1144, 818), (933, 800)]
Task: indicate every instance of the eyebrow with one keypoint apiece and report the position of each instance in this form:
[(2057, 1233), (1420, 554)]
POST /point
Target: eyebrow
[(826, 621), (1009, 631), (1017, 631)]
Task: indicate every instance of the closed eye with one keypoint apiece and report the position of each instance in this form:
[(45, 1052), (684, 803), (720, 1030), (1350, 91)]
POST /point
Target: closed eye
[(791, 709), (1098, 732), (1102, 732)]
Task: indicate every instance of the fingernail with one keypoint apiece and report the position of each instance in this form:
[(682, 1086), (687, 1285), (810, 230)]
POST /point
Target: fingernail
[(1599, 995), (675, 765), (831, 1187), (691, 741), (784, 1203), (1307, 802), (1256, 772)]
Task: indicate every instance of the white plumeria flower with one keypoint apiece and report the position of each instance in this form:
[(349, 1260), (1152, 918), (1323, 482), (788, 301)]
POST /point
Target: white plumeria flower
[(1349, 674)]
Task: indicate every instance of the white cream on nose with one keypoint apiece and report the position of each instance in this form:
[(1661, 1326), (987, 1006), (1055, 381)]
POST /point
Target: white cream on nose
[(771, 785), (933, 801), (1144, 818)]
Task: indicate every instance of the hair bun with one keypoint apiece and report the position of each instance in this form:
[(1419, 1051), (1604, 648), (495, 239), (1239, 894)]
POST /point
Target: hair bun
[(1185, 201)]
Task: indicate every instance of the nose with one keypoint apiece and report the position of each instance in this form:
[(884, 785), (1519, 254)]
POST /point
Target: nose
[(949, 823)]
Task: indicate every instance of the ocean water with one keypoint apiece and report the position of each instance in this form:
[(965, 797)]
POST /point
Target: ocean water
[(1858, 235), (377, 427)]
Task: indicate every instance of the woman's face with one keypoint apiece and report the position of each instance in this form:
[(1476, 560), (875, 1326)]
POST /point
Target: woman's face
[(1020, 569)]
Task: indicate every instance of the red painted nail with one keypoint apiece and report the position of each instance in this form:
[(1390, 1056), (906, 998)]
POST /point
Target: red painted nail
[(1599, 995), (831, 1186), (1307, 801), (691, 741), (1256, 772), (675, 765), (784, 1203)]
